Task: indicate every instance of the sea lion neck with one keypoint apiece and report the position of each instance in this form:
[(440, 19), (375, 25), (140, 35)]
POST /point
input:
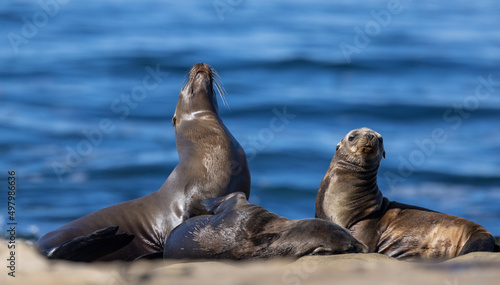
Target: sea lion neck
[(365, 171), (196, 120), (202, 133), (193, 101), (349, 191)]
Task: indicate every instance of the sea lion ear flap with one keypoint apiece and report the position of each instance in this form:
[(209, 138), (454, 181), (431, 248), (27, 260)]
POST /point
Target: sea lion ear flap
[(383, 154), (218, 205), (338, 146), (174, 120)]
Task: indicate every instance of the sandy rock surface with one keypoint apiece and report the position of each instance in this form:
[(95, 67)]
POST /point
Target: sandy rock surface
[(474, 268)]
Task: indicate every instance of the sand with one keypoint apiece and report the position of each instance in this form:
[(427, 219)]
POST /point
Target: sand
[(474, 268)]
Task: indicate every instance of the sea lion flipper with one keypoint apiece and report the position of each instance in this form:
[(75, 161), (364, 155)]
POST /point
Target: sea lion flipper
[(496, 248), (219, 204), (211, 205), (479, 241), (90, 247)]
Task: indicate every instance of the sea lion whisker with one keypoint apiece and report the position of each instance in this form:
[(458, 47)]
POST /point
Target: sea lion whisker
[(215, 73), (222, 92), (186, 78), (219, 87)]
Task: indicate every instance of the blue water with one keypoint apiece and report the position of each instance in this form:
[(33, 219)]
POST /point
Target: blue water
[(407, 76)]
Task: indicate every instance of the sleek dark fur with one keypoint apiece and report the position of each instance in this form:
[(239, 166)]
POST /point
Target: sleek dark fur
[(239, 230), (211, 164)]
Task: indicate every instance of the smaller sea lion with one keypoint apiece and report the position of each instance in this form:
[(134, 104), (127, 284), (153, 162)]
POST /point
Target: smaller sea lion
[(239, 230), (349, 196)]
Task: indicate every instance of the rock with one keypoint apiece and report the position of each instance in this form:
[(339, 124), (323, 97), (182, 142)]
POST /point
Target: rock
[(350, 269), (473, 258)]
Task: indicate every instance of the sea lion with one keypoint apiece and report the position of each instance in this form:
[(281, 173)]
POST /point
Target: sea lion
[(239, 230), (211, 164), (349, 196)]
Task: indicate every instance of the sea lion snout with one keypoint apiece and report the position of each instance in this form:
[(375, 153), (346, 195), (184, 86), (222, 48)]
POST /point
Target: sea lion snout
[(354, 246), (327, 238), (367, 139), (360, 247), (367, 144), (363, 142), (201, 67), (201, 76), (198, 94)]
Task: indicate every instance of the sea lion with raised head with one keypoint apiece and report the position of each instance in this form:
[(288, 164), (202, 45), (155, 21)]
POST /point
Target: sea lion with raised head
[(349, 196), (239, 230), (211, 164)]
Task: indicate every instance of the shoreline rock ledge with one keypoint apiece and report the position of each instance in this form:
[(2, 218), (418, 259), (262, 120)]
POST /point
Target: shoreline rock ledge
[(32, 268)]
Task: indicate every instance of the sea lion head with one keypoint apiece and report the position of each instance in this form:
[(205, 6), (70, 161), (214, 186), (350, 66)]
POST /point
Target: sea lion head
[(197, 96), (318, 237), (362, 146)]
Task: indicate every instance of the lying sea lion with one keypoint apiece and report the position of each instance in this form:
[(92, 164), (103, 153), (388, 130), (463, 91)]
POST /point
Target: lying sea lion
[(239, 230), (349, 196)]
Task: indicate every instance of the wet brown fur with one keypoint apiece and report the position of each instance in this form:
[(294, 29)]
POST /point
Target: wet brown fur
[(349, 196)]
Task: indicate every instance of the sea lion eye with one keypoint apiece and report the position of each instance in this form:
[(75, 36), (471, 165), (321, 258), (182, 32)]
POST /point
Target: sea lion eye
[(321, 251), (351, 138)]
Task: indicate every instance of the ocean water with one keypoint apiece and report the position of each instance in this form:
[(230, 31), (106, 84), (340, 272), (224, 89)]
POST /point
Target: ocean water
[(423, 74)]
